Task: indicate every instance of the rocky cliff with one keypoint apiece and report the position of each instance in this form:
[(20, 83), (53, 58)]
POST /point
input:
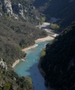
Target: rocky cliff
[(19, 10)]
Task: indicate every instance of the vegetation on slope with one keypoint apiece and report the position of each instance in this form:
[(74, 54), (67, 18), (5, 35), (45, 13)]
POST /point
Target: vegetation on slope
[(54, 26), (15, 35), (9, 80), (43, 53), (59, 61)]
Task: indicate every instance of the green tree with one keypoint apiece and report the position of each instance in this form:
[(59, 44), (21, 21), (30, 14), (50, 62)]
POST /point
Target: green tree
[(54, 26), (7, 86), (0, 88)]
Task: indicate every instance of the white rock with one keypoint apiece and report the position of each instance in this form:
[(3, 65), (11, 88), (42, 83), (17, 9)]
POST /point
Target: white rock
[(8, 7), (21, 12)]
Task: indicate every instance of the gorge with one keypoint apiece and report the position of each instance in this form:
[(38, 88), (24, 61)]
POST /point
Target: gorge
[(29, 67), (21, 32)]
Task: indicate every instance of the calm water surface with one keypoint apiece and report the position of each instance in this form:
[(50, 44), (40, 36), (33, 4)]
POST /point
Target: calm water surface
[(30, 67)]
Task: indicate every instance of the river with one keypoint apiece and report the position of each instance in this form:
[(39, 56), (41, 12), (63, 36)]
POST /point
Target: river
[(30, 67)]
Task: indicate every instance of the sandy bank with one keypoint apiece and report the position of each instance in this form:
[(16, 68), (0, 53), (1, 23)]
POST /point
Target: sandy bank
[(23, 50), (33, 46), (55, 35), (16, 62), (30, 47), (46, 28), (44, 39), (45, 24), (39, 40)]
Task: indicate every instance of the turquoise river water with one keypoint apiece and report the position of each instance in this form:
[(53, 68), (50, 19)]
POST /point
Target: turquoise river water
[(30, 67)]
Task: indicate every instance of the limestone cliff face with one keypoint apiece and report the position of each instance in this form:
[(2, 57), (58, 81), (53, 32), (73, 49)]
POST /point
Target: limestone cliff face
[(7, 7), (18, 9), (21, 11)]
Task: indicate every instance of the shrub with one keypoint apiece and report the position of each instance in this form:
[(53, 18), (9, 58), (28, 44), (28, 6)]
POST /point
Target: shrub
[(54, 26), (42, 53)]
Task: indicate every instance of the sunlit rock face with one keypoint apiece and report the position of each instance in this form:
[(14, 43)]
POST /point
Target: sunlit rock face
[(7, 7), (21, 12)]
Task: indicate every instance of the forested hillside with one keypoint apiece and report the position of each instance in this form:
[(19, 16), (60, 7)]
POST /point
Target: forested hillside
[(9, 80), (18, 19), (59, 61), (15, 31), (15, 35)]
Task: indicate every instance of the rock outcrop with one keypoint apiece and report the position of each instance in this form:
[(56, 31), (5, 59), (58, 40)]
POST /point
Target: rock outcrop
[(19, 10), (7, 7)]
